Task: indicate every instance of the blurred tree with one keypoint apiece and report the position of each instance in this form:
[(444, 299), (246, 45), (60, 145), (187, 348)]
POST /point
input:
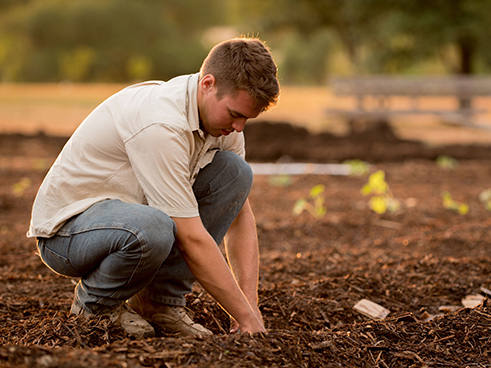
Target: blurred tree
[(111, 40), (313, 30), (463, 25), (381, 36), (8, 4), (456, 32), (304, 58), (122, 40), (75, 65)]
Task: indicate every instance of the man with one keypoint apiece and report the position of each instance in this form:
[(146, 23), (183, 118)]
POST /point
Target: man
[(148, 185)]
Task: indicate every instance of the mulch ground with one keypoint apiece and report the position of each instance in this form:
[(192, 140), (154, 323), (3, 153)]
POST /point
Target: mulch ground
[(418, 262)]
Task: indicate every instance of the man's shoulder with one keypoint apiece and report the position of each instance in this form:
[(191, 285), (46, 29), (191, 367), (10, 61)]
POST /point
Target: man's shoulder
[(153, 103), (177, 80), (175, 102)]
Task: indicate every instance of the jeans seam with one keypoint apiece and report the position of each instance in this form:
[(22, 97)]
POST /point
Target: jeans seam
[(143, 253), (61, 256), (115, 226)]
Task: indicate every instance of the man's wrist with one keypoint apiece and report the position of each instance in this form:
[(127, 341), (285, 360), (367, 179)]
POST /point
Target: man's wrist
[(251, 297)]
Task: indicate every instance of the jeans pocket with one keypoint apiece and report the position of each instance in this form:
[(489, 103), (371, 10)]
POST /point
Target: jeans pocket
[(56, 261)]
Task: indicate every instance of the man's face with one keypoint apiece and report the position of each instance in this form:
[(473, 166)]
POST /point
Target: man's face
[(223, 116)]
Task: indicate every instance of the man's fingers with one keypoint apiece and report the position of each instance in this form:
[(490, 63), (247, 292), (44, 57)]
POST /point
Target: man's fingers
[(234, 327)]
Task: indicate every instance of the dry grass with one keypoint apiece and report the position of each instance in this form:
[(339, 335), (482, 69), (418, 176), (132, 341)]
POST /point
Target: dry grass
[(54, 108), (59, 108)]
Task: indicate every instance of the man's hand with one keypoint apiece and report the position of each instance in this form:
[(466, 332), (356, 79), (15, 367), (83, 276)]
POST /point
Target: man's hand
[(235, 326)]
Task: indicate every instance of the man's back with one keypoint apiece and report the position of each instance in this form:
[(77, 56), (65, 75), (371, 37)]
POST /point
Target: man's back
[(95, 165)]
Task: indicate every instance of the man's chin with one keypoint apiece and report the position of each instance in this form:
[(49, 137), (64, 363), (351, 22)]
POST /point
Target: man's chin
[(219, 133), (223, 132)]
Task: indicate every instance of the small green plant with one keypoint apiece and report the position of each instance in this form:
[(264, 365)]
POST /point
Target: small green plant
[(382, 199), (485, 198), (314, 204), (357, 167), (41, 164), (447, 162), (283, 180), (20, 187), (451, 204)]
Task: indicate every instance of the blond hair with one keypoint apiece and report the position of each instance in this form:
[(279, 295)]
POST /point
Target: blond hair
[(244, 64)]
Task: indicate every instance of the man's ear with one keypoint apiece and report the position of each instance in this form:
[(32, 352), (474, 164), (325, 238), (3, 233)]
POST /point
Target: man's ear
[(208, 83)]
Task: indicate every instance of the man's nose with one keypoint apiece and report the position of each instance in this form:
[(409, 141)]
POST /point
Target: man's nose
[(239, 124)]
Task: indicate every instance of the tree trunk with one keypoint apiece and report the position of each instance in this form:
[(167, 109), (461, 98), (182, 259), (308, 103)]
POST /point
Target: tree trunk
[(467, 48)]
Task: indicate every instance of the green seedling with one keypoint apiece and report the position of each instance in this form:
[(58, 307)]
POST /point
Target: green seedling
[(314, 204), (447, 162), (451, 204), (357, 167), (20, 187), (382, 199), (280, 180), (41, 164), (485, 198)]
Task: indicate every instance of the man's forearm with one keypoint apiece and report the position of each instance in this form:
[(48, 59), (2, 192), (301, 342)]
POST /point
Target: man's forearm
[(243, 254)]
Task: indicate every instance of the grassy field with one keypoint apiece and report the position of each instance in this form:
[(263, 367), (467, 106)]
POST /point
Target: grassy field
[(59, 108)]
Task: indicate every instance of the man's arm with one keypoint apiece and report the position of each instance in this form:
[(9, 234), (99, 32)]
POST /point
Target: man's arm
[(207, 264), (243, 255), (242, 252)]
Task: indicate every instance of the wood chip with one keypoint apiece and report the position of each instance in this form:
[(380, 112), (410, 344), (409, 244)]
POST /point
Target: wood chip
[(486, 291), (371, 309), (473, 300), (449, 308), (425, 317)]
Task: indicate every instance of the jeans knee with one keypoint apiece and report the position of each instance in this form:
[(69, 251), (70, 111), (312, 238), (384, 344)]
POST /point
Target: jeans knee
[(157, 231), (236, 168)]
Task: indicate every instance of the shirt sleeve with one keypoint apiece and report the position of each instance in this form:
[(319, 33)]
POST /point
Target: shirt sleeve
[(159, 155)]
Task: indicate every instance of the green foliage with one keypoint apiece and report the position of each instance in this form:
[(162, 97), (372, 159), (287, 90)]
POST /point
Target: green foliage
[(314, 204), (304, 58), (121, 40), (447, 162), (451, 204), (75, 65), (280, 180), (20, 187), (110, 40), (463, 26), (382, 199), (388, 36), (357, 167), (139, 68), (8, 4), (485, 198)]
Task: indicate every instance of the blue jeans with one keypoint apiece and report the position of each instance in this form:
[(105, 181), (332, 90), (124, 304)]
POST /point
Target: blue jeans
[(120, 249)]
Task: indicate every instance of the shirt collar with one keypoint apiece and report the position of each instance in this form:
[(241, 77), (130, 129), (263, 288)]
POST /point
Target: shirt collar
[(192, 103)]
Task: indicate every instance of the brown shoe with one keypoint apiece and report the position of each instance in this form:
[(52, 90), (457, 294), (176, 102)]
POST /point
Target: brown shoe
[(169, 317), (130, 321)]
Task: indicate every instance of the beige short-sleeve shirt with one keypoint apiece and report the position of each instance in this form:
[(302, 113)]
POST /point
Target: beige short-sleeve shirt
[(142, 145)]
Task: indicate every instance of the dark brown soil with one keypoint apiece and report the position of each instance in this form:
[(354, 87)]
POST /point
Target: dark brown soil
[(415, 262)]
